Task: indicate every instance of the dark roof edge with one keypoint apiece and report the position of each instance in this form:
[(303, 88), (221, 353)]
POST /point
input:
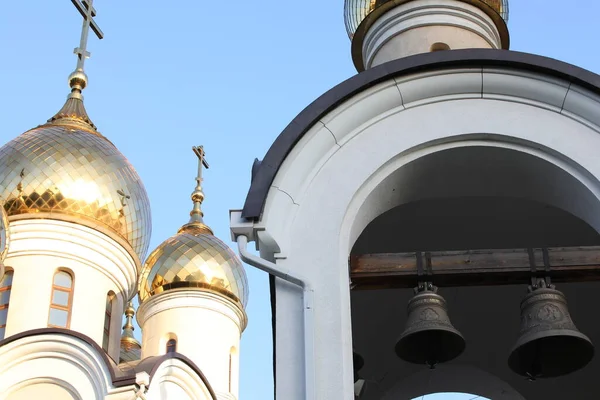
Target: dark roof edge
[(149, 365), (468, 58)]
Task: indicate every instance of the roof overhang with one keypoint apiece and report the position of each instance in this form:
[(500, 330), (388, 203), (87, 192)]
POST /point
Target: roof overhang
[(264, 173)]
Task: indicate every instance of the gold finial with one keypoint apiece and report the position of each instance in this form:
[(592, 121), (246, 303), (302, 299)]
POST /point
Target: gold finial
[(196, 214), (127, 338), (73, 112)]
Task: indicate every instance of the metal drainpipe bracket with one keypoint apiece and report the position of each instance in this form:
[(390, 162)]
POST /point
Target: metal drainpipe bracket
[(241, 226)]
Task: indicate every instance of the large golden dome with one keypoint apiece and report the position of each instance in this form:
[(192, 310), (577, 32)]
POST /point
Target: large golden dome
[(194, 258), (66, 170), (355, 11)]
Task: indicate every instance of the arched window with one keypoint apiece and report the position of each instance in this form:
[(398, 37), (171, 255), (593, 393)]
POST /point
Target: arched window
[(171, 346), (233, 370), (62, 300), (107, 318), (5, 287)]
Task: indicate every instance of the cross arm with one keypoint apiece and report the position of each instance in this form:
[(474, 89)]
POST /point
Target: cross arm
[(81, 7)]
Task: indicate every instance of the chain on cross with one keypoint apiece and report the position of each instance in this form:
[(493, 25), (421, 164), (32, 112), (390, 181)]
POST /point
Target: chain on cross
[(88, 12)]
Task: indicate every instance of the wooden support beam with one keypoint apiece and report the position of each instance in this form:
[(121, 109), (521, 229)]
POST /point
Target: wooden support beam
[(474, 267)]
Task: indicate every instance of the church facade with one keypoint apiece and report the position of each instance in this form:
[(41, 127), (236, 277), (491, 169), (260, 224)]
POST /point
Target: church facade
[(75, 226)]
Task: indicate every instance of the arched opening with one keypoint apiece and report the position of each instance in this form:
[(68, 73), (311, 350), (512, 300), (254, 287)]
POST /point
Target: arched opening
[(171, 346), (469, 198), (439, 46), (5, 289), (110, 299), (61, 301)]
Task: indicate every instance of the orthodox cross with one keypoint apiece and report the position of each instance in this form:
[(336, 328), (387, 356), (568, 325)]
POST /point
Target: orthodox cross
[(199, 151), (88, 12)]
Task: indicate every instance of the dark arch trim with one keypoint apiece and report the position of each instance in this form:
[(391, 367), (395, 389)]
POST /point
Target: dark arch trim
[(265, 171)]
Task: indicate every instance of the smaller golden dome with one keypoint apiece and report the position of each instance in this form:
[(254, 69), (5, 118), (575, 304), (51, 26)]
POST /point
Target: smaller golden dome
[(194, 258)]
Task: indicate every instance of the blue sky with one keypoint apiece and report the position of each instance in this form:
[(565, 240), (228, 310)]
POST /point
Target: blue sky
[(228, 75)]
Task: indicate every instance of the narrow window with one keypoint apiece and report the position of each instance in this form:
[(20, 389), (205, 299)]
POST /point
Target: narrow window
[(62, 299), (5, 287), (233, 370), (107, 318), (230, 361), (171, 346)]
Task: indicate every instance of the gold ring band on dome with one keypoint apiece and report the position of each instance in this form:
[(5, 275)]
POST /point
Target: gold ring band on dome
[(379, 10)]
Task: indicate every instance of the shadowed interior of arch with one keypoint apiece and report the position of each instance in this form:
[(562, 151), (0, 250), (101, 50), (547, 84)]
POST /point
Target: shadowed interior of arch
[(467, 199)]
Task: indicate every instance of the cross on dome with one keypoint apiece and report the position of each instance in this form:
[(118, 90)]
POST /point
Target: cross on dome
[(78, 79), (73, 112), (88, 12), (202, 163), (198, 195)]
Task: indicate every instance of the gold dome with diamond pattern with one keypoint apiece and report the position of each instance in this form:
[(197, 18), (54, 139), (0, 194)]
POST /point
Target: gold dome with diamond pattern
[(65, 169), (194, 259)]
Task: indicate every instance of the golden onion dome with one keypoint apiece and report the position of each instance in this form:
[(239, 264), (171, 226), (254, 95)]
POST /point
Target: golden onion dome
[(355, 11), (194, 259), (65, 169)]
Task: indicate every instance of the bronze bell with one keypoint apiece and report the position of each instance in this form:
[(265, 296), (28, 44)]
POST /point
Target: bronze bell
[(429, 337), (549, 344), (358, 363)]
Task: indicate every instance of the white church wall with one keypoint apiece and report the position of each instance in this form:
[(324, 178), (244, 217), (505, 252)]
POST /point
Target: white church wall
[(414, 27), (52, 363), (206, 327), (328, 203), (98, 264)]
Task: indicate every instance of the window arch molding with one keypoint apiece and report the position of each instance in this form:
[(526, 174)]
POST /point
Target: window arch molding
[(61, 298), (109, 317)]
